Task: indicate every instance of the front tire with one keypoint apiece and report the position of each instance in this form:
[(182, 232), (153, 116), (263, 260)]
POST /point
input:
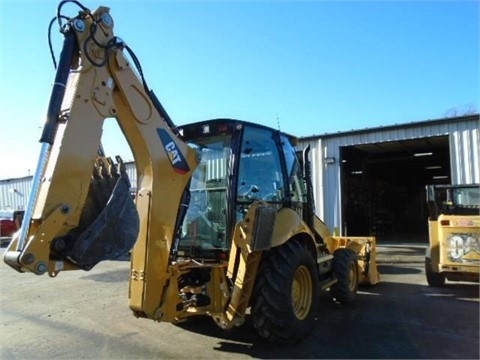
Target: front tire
[(345, 269), (433, 279), (285, 298)]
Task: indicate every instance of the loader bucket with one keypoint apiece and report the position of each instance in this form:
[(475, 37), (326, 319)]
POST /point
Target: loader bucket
[(365, 247)]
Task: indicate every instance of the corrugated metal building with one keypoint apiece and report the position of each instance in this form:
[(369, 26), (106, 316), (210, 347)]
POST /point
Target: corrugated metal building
[(370, 181)]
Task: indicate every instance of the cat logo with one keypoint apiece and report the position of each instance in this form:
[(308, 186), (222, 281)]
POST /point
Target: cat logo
[(175, 156)]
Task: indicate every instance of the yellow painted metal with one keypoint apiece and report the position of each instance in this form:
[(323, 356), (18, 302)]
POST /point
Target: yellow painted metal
[(434, 246), (94, 93), (439, 232), (302, 292), (288, 224), (35, 255), (365, 247), (242, 269)]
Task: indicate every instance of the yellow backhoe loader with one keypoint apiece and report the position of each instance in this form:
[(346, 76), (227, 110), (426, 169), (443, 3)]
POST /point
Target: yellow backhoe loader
[(222, 222)]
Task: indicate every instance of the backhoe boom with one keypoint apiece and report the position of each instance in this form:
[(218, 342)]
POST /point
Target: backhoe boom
[(82, 211)]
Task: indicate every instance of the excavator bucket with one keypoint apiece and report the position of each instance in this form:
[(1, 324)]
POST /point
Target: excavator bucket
[(109, 224)]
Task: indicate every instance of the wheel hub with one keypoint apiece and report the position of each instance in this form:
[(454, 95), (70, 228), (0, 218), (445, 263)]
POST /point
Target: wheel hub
[(301, 292)]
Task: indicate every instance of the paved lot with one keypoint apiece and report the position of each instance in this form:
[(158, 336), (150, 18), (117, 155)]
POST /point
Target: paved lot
[(84, 315)]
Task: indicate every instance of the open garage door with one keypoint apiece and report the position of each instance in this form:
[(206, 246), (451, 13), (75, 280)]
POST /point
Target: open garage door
[(383, 186)]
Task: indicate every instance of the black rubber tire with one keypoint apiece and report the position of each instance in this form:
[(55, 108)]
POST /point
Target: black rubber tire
[(345, 269), (285, 297), (433, 279)]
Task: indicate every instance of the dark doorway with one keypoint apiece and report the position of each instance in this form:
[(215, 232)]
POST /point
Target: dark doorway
[(383, 185)]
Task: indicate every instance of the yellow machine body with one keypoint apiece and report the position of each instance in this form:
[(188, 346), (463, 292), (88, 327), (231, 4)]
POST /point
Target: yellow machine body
[(454, 234), (81, 211)]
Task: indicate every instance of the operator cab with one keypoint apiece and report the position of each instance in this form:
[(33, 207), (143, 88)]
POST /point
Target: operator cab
[(241, 162), (453, 200)]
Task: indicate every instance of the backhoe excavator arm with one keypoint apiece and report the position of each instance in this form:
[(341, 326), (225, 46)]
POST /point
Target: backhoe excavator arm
[(80, 210)]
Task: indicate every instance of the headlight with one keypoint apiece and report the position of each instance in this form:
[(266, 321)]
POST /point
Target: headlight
[(456, 247)]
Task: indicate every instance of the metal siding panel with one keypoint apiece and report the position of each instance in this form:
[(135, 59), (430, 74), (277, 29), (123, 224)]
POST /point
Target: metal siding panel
[(131, 171), (475, 163), (317, 174), (317, 177), (327, 191), (467, 147), (329, 195), (335, 224), (14, 193), (464, 156), (453, 158)]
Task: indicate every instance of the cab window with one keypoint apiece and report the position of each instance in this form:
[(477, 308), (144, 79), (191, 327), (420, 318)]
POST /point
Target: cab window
[(260, 172)]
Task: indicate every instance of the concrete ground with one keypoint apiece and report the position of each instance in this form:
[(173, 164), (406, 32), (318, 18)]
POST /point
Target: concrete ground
[(84, 315)]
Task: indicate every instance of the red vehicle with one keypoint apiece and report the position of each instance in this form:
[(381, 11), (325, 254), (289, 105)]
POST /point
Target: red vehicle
[(10, 221)]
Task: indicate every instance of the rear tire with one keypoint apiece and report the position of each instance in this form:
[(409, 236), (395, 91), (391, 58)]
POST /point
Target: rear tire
[(285, 298), (345, 269), (433, 279)]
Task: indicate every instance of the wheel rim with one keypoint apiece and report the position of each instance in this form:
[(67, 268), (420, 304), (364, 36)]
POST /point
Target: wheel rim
[(352, 276), (301, 293)]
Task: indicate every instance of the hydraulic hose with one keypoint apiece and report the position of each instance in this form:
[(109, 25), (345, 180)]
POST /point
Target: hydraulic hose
[(163, 113)]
